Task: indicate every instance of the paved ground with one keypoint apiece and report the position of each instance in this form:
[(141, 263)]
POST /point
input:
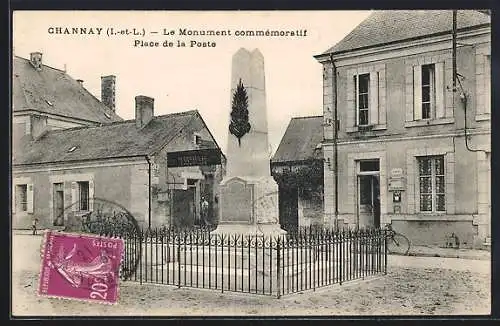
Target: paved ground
[(413, 286)]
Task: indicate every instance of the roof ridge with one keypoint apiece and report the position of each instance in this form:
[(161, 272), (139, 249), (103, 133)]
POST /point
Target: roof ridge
[(112, 123), (358, 39), (308, 117), (95, 110), (45, 65)]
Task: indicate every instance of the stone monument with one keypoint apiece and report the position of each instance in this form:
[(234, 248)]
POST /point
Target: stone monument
[(248, 192)]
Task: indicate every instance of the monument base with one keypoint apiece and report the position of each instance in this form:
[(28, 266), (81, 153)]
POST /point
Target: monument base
[(250, 229), (249, 205)]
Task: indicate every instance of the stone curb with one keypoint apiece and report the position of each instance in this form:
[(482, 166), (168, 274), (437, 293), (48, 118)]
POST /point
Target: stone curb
[(447, 255)]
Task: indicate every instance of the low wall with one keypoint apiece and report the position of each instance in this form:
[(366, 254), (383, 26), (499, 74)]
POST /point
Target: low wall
[(437, 233)]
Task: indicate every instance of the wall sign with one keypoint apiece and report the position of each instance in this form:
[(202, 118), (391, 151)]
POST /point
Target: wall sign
[(396, 180), (205, 156)]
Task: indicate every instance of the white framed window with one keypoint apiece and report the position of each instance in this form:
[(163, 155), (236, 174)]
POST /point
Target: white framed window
[(22, 198), (428, 94), (428, 91), (431, 181), (362, 98), (366, 97), (82, 193)]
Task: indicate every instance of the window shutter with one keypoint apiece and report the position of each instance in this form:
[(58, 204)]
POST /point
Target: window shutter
[(91, 195), (373, 105), (74, 197), (351, 103), (439, 73), (487, 84), (29, 197), (417, 92), (13, 198), (356, 99)]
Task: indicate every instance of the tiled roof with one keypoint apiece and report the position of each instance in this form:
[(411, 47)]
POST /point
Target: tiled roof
[(383, 27), (52, 91), (300, 140), (119, 139)]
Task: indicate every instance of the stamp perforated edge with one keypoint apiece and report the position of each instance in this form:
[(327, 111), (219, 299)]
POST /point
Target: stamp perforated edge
[(77, 235)]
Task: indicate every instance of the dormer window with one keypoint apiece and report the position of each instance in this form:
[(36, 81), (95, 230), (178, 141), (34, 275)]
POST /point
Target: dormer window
[(196, 139), (72, 149)]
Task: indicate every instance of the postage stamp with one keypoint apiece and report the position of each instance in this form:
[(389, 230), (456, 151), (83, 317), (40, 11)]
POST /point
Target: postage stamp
[(80, 267)]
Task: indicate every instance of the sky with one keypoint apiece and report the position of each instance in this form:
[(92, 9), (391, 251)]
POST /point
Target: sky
[(186, 78)]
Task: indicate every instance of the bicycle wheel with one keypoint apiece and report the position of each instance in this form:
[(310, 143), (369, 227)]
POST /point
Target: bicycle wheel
[(398, 244)]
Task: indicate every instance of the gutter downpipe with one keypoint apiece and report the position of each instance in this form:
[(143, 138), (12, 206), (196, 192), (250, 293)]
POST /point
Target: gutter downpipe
[(149, 192), (335, 136)]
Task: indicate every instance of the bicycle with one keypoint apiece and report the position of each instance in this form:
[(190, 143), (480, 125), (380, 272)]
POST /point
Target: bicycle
[(396, 242)]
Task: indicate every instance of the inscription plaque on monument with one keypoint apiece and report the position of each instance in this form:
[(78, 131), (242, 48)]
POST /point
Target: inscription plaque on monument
[(237, 208)]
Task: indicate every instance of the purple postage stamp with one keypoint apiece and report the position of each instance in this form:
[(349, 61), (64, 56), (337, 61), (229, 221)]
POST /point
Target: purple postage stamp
[(80, 266)]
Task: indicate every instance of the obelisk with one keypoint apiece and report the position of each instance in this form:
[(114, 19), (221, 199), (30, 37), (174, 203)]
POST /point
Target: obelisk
[(248, 192)]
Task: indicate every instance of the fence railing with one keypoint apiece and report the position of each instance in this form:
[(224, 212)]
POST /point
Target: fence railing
[(307, 259)]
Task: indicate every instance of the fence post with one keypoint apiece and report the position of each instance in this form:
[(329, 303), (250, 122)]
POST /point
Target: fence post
[(313, 245), (222, 262), (385, 252), (341, 243), (179, 259), (278, 271), (140, 255)]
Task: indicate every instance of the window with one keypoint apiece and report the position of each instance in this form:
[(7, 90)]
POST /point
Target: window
[(21, 198), (366, 98), (83, 195), (369, 165), (428, 91), (362, 83), (431, 183), (196, 139)]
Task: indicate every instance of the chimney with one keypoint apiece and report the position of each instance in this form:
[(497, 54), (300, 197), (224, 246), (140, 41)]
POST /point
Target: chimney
[(144, 110), (36, 60), (80, 81), (39, 126), (108, 91)]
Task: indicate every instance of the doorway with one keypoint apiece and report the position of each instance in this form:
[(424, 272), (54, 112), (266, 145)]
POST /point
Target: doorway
[(288, 208), (58, 197), (184, 206), (368, 194)]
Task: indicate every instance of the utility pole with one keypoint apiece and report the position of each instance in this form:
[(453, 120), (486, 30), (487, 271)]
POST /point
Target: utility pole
[(454, 50), (335, 145)]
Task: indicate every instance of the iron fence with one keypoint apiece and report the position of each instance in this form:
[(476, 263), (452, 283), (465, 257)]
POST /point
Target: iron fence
[(307, 259)]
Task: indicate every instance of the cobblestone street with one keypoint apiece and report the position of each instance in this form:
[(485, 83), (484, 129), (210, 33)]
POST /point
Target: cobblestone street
[(413, 286)]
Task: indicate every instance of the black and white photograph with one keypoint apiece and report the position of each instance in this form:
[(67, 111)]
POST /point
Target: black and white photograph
[(250, 163)]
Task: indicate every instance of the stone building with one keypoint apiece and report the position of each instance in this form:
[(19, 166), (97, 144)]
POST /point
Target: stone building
[(46, 98), (297, 167), (158, 168), (412, 150), (69, 148)]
